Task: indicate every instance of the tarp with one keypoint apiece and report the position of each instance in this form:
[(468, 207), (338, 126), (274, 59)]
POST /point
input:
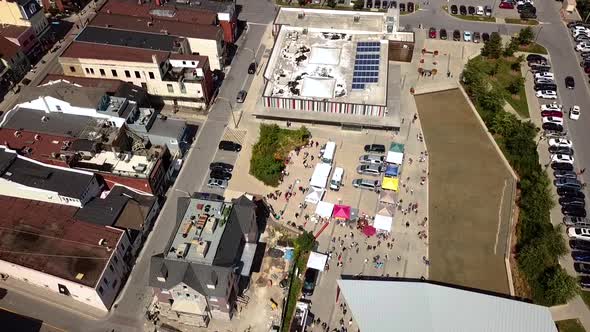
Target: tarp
[(317, 261), (397, 147), (392, 170), (320, 175), (390, 184), (324, 209), (315, 195), (369, 230), (395, 157), (383, 223), (387, 197), (341, 212), (385, 211)]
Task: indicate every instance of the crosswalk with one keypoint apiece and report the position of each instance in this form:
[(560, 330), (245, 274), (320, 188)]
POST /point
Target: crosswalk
[(235, 135)]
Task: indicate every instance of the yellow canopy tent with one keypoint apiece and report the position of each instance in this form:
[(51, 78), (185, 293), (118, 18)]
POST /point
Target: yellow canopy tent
[(390, 183)]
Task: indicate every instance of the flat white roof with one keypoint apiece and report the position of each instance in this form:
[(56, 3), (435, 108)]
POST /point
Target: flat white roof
[(124, 164), (386, 306)]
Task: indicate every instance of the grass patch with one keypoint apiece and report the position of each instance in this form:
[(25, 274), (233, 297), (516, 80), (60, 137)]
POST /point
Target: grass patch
[(475, 18), (269, 154), (533, 48), (521, 21), (570, 325), (294, 291)]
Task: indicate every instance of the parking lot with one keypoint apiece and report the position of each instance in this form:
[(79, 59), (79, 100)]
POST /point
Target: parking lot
[(470, 9)]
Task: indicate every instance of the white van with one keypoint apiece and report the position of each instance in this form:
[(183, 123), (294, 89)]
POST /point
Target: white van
[(336, 181), (328, 154)]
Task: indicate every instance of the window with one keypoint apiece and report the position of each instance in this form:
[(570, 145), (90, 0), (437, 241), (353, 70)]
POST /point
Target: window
[(183, 62), (102, 73), (32, 37), (182, 88), (100, 290), (151, 75), (122, 245), (127, 73), (106, 281), (115, 283), (170, 88), (72, 69), (92, 71), (143, 85), (57, 107), (116, 259), (112, 269), (210, 286), (87, 70), (137, 74), (192, 63), (114, 72)]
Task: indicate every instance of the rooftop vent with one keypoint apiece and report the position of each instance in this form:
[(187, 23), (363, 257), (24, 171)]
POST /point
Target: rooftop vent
[(356, 18), (80, 276), (17, 134), (102, 242), (37, 137), (44, 119)]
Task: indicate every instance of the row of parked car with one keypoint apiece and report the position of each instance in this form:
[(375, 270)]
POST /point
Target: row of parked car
[(373, 164), (220, 172), (471, 10), (468, 36)]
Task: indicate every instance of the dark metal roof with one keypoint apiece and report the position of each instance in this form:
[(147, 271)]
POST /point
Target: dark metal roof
[(151, 41), (32, 174), (56, 123)]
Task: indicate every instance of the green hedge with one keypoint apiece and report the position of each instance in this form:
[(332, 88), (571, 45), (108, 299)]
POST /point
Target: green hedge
[(271, 150), (539, 243)]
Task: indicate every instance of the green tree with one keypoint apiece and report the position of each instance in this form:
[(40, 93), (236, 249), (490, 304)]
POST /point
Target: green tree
[(493, 47), (302, 2), (525, 36), (511, 47), (492, 100), (559, 287), (516, 85), (358, 4), (305, 241)]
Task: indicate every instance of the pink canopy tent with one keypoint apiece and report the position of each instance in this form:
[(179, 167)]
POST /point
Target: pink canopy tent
[(369, 230), (341, 212)]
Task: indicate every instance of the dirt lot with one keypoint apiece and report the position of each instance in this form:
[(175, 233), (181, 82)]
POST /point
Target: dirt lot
[(470, 194)]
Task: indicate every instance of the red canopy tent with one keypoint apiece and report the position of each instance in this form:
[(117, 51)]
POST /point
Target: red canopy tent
[(369, 230), (341, 212)]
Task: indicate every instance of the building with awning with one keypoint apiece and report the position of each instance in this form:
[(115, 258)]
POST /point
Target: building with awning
[(386, 304)]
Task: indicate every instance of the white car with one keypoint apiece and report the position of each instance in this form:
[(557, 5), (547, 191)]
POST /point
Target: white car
[(562, 158), (551, 107), (553, 119), (467, 36), (544, 80), (479, 10), (560, 142), (522, 2), (546, 94), (575, 112), (579, 29), (545, 74), (583, 47), (579, 233), (579, 32)]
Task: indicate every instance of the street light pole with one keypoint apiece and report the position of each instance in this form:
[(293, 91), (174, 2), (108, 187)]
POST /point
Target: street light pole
[(231, 107)]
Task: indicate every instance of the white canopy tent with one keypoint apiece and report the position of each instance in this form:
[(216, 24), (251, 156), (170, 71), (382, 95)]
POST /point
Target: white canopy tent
[(383, 223), (395, 157), (320, 176), (315, 195), (324, 209), (317, 261)]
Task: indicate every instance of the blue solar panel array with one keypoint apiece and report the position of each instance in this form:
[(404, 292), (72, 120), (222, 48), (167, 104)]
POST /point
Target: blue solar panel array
[(366, 64)]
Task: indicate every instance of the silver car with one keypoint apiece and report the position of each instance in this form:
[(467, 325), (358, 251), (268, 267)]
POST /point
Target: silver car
[(217, 183), (366, 184), (372, 169), (371, 159)]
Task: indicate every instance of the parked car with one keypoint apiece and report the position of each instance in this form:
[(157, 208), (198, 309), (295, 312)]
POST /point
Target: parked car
[(528, 15), (567, 182), (543, 80), (432, 33), (582, 268), (372, 159), (241, 97), (217, 183), (488, 11), (583, 47), (579, 244), (546, 94), (479, 11), (519, 8), (574, 211), (467, 36), (550, 126), (454, 10), (553, 119), (224, 166), (410, 7), (575, 112), (230, 146), (462, 10), (443, 34), (379, 148), (545, 86), (456, 35), (540, 68), (545, 75), (562, 166), (562, 158), (506, 5), (471, 10), (565, 174), (551, 107), (311, 276), (584, 281), (568, 191), (562, 150), (572, 201), (535, 57), (366, 184), (485, 37), (556, 114), (220, 174), (573, 193), (370, 169), (402, 7), (252, 68), (560, 142), (476, 37), (581, 256)]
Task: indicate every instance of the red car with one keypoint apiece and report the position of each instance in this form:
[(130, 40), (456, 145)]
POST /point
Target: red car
[(506, 5), (432, 33), (556, 114)]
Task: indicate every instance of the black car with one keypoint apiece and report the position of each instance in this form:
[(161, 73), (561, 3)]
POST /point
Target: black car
[(402, 7), (528, 15), (552, 127), (568, 191), (311, 275), (574, 211), (584, 281), (574, 194), (219, 173), (571, 201), (485, 37), (545, 86), (410, 7), (471, 10), (462, 10), (575, 23), (535, 57), (380, 148), (456, 35), (230, 146), (561, 150), (443, 34), (569, 82), (585, 54), (579, 244), (252, 68), (565, 174), (220, 165), (519, 8), (536, 68), (562, 167), (454, 9), (581, 256), (582, 268), (527, 9)]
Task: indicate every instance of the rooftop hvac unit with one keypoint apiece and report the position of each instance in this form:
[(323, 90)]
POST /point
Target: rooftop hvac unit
[(44, 119), (37, 137), (102, 242), (17, 134)]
